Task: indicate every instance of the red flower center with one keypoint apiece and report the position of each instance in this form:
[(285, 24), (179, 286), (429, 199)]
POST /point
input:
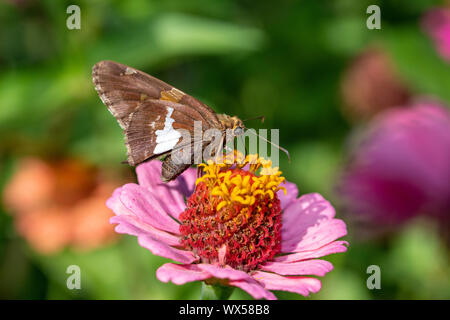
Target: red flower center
[(234, 216)]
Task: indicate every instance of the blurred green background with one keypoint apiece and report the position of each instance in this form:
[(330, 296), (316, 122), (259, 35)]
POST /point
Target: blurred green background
[(283, 60)]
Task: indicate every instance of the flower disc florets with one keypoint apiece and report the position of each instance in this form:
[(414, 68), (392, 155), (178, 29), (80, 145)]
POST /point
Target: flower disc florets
[(234, 215)]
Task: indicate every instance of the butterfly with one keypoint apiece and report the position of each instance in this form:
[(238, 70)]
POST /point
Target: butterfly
[(152, 113)]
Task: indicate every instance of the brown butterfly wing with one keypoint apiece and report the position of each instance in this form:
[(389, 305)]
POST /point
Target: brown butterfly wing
[(123, 89), (143, 104), (154, 129)]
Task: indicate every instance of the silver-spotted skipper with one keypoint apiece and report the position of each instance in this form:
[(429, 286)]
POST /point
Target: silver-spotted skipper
[(152, 113)]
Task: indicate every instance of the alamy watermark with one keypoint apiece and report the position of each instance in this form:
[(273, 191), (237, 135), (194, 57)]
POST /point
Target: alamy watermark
[(74, 280), (208, 144), (74, 20), (374, 20), (374, 280)]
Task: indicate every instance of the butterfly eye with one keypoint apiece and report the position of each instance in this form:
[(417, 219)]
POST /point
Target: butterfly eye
[(238, 131)]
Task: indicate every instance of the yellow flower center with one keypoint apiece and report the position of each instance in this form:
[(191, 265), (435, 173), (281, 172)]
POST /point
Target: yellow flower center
[(231, 188)]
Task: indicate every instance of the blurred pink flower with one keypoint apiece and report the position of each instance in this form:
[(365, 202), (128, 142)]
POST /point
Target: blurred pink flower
[(371, 84), (241, 245), (401, 168), (436, 24)]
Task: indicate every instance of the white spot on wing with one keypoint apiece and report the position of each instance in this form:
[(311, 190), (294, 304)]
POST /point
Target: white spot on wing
[(167, 138)]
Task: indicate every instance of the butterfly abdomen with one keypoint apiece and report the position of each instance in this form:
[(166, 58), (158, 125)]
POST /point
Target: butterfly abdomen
[(170, 170)]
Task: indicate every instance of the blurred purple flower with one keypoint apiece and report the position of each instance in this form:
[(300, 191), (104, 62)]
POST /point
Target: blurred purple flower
[(402, 166), (436, 24)]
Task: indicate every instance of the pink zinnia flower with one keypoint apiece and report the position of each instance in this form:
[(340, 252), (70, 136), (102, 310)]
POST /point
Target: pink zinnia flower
[(237, 228), (401, 168), (437, 24)]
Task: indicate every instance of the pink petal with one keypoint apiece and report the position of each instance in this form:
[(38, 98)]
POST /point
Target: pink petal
[(149, 175), (186, 182), (224, 272), (330, 248), (315, 236), (161, 249), (254, 289), (176, 191), (308, 267), (181, 273), (172, 192), (145, 206), (173, 201), (134, 226), (116, 205), (310, 207), (308, 224), (237, 278), (291, 194), (301, 285)]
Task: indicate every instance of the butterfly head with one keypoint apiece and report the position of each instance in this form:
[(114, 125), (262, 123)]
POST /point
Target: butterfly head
[(233, 123), (238, 126)]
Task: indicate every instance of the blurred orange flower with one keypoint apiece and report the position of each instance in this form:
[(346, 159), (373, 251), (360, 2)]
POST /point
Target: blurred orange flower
[(60, 203)]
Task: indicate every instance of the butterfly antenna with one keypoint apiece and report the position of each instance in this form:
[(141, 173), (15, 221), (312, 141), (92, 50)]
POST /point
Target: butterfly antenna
[(274, 144)]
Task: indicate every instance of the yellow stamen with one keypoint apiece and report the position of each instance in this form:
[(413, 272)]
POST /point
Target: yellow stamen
[(229, 186)]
